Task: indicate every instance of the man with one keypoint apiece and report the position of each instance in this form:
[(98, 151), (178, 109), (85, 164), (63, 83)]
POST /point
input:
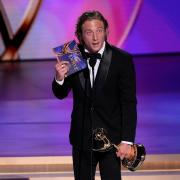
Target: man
[(104, 96)]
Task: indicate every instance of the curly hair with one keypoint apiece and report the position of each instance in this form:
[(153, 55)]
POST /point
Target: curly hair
[(88, 15)]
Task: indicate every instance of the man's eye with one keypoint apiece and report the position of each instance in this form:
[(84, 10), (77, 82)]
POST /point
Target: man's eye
[(100, 30), (88, 32)]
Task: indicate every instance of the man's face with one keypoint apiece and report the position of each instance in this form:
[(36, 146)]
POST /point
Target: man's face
[(93, 35)]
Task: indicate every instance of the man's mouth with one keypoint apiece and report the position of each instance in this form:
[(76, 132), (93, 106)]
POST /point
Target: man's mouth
[(95, 44)]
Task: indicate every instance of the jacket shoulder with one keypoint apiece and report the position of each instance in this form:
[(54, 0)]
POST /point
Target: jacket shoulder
[(120, 52)]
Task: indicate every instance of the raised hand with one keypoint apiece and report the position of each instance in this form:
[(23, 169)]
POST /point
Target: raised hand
[(61, 68)]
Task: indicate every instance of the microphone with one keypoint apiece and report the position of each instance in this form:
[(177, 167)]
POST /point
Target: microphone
[(92, 62)]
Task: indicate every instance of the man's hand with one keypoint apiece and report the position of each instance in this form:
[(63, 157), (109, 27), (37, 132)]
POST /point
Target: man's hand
[(61, 68), (124, 150)]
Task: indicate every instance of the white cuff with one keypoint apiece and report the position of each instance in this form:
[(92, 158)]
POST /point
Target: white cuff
[(59, 82), (127, 142)]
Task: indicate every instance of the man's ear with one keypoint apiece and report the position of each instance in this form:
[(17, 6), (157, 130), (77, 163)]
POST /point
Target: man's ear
[(81, 39), (106, 33)]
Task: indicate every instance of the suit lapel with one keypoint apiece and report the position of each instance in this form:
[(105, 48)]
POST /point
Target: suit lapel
[(103, 68), (84, 75), (85, 81)]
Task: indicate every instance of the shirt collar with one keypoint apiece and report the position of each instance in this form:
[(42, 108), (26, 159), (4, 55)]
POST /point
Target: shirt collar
[(100, 51)]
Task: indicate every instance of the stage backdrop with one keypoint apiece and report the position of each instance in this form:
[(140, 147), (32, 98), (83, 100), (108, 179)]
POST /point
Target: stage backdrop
[(29, 28)]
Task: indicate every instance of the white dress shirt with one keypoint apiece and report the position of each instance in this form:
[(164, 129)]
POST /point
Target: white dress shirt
[(96, 65)]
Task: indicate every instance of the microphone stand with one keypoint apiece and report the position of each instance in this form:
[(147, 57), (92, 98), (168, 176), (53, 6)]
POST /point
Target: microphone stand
[(86, 75), (92, 63)]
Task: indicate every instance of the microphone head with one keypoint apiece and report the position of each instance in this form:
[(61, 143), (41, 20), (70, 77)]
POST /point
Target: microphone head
[(92, 62), (93, 58)]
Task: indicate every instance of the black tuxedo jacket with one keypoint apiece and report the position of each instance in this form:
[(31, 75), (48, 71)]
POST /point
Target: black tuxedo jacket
[(112, 105)]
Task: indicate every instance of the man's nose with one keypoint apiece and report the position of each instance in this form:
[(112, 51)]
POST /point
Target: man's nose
[(94, 36)]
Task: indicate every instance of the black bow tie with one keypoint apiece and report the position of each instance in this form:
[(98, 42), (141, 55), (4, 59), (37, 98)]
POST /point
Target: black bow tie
[(93, 57)]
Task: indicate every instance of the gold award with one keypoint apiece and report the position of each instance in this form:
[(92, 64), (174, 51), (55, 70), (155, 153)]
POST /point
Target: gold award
[(102, 144)]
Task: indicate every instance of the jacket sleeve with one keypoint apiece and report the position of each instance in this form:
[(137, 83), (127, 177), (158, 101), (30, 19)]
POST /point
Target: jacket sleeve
[(128, 99), (61, 91)]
